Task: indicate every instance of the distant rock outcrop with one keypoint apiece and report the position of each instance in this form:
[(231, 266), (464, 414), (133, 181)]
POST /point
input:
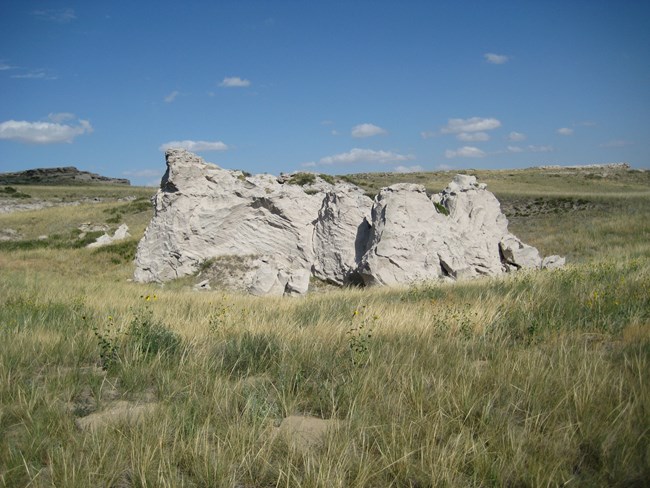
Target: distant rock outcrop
[(266, 235), (68, 175), (121, 233)]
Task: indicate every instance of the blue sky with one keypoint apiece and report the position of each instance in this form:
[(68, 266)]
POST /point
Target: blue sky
[(330, 86)]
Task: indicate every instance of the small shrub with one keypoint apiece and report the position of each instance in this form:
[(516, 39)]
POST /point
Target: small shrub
[(441, 209), (11, 192), (121, 252), (302, 179), (108, 341), (250, 354), (359, 336), (149, 336), (327, 178)]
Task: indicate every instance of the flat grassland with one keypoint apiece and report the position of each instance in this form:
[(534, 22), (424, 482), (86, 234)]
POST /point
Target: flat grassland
[(534, 379)]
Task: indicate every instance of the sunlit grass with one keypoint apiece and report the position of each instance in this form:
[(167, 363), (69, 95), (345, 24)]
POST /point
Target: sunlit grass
[(533, 379)]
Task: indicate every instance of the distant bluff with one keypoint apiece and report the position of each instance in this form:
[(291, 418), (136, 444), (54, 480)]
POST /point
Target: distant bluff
[(68, 175)]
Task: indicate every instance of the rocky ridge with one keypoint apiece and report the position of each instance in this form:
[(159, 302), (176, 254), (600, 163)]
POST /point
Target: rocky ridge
[(266, 235), (57, 176)]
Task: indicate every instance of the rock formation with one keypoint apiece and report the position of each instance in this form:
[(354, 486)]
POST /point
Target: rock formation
[(121, 233), (266, 235)]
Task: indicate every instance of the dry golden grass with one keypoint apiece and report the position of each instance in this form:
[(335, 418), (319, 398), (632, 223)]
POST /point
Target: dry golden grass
[(533, 379)]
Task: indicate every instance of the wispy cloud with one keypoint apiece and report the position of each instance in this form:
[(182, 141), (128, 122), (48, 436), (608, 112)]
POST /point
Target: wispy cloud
[(530, 148), (496, 58), (427, 134), (516, 136), (42, 132), (62, 16), (5, 67), (408, 169), (464, 152), (357, 155), (234, 82), (61, 117), (171, 97), (473, 124), (194, 146), (367, 130), (565, 131), (473, 136), (616, 143), (37, 74)]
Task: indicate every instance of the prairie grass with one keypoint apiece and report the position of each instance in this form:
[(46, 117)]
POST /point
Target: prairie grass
[(533, 379)]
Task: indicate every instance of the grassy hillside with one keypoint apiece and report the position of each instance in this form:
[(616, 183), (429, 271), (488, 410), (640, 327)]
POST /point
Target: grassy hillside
[(538, 378)]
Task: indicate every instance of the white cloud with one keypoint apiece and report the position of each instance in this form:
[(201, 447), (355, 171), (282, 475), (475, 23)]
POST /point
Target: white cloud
[(565, 131), (516, 136), (334, 132), (62, 16), (5, 67), (496, 58), (464, 152), (38, 74), (444, 167), (530, 148), (234, 82), (472, 136), (171, 97), (367, 130), (408, 169), (357, 155), (195, 146), (42, 132), (616, 143), (473, 124), (427, 134)]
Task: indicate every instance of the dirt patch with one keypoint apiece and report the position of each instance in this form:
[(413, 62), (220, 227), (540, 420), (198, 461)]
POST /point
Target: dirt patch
[(121, 411), (304, 431)]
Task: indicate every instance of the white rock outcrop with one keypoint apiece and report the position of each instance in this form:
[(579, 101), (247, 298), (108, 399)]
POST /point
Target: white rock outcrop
[(265, 235), (121, 233)]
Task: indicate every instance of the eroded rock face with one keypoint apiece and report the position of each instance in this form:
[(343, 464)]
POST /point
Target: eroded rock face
[(203, 211), (267, 236), (341, 234)]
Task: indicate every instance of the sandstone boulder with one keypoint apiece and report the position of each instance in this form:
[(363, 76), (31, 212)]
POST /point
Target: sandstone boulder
[(121, 233)]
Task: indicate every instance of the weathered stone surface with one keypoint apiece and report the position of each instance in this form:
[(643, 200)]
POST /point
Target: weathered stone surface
[(458, 233), (407, 237), (553, 262), (203, 211), (341, 234), (267, 235), (121, 233), (10, 235), (519, 254)]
